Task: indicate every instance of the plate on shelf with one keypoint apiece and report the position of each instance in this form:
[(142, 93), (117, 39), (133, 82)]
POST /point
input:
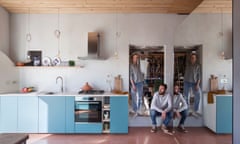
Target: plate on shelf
[(46, 61), (56, 61)]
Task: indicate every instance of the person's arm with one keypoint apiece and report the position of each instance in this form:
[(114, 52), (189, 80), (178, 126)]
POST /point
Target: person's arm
[(169, 102), (198, 77), (133, 85), (131, 79), (154, 103), (184, 104)]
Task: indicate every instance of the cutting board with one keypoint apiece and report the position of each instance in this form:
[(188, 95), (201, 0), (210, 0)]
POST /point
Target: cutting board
[(118, 83)]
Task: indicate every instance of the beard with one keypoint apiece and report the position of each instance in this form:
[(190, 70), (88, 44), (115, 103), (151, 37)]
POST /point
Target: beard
[(176, 93), (162, 93)]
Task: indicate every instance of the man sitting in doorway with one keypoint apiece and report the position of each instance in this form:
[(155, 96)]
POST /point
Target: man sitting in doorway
[(179, 108), (161, 105)]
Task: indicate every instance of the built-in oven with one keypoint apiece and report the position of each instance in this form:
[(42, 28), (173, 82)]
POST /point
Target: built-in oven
[(88, 109)]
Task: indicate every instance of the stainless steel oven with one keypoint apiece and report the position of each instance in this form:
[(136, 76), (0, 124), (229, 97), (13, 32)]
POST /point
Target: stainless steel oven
[(88, 109)]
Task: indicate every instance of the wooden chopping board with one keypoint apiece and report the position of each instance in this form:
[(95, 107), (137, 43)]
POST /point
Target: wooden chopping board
[(118, 83)]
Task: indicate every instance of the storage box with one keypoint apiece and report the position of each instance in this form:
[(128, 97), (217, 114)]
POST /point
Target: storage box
[(213, 84)]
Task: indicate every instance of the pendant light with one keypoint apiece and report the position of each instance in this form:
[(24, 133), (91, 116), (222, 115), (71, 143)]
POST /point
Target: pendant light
[(222, 53), (28, 35), (117, 35), (57, 33)]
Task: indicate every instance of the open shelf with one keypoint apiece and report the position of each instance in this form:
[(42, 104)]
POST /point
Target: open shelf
[(106, 114)]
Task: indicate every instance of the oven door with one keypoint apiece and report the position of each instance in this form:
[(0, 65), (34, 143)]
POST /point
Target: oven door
[(88, 111)]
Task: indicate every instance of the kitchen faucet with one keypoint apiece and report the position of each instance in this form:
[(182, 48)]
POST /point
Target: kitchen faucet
[(59, 77)]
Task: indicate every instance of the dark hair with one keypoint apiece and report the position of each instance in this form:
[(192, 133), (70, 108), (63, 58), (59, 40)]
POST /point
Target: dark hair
[(193, 54), (164, 85)]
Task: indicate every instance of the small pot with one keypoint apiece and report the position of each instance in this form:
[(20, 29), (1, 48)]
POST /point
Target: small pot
[(86, 87)]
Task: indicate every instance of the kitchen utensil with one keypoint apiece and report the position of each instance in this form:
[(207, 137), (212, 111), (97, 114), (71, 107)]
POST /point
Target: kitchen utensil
[(19, 64), (56, 61), (86, 87), (47, 61)]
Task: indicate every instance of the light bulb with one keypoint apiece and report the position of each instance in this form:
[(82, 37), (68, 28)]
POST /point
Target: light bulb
[(116, 54), (222, 55)]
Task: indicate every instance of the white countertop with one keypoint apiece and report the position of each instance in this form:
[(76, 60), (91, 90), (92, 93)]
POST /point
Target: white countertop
[(59, 94)]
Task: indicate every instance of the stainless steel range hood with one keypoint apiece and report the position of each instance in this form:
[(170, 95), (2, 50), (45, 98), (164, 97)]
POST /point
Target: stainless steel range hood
[(93, 46)]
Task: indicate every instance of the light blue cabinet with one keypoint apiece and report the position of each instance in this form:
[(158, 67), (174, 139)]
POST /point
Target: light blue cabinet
[(27, 114), (70, 114), (52, 114), (118, 114), (8, 114), (88, 128), (224, 114), (55, 114)]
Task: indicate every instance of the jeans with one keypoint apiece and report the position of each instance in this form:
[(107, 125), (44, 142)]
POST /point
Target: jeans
[(183, 117), (137, 96), (186, 88), (154, 114)]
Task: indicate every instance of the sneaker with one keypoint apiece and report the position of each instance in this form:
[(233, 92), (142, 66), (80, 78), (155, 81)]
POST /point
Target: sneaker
[(182, 129), (194, 114), (154, 129), (135, 115), (165, 130)]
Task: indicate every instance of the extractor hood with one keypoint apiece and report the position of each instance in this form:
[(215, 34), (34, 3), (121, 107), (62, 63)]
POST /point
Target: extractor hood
[(93, 46)]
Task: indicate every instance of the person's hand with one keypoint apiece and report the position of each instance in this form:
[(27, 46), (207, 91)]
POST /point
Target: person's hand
[(134, 88), (197, 87), (177, 114), (163, 116)]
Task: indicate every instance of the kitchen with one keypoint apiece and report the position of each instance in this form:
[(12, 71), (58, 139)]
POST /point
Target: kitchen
[(117, 31)]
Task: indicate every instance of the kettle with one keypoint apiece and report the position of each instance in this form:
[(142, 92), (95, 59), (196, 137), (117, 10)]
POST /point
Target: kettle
[(86, 87)]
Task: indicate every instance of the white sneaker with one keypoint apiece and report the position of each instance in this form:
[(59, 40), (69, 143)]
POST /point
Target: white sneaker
[(135, 115), (194, 114), (131, 111), (165, 130)]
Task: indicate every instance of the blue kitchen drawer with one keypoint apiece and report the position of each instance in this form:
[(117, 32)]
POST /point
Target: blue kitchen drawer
[(88, 128)]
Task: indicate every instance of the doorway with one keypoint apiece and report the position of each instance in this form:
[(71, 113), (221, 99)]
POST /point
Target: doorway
[(151, 65), (182, 56)]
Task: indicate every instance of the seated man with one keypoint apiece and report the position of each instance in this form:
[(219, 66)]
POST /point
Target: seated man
[(179, 108), (161, 106)]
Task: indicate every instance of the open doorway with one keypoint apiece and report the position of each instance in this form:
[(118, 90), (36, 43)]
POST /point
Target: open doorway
[(150, 62), (182, 58)]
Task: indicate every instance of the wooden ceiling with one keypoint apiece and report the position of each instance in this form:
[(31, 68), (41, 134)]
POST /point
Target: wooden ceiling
[(114, 6)]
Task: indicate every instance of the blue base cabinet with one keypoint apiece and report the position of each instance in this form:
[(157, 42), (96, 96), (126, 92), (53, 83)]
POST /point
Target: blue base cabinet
[(88, 128), (118, 114), (52, 114), (27, 114), (8, 114), (224, 114), (55, 114), (70, 114)]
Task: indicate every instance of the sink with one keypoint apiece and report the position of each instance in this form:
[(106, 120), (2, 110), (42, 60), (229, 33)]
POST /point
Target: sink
[(50, 93)]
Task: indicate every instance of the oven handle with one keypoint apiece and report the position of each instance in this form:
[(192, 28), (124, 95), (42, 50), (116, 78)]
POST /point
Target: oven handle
[(87, 102)]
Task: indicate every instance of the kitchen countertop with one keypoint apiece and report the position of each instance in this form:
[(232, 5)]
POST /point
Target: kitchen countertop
[(59, 94)]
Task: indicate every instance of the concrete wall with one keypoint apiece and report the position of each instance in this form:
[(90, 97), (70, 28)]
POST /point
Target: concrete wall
[(139, 29)]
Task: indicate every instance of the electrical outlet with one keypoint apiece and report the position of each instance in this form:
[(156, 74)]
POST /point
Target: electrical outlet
[(224, 81)]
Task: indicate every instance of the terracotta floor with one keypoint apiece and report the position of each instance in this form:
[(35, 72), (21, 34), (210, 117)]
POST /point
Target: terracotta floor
[(136, 135)]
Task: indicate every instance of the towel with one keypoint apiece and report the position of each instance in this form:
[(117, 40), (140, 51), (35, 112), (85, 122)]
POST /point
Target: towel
[(210, 95)]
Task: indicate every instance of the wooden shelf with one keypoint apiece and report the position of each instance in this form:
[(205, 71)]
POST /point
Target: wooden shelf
[(49, 67), (106, 131), (106, 120)]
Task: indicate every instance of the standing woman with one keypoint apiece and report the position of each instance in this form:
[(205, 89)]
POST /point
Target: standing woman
[(136, 80)]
